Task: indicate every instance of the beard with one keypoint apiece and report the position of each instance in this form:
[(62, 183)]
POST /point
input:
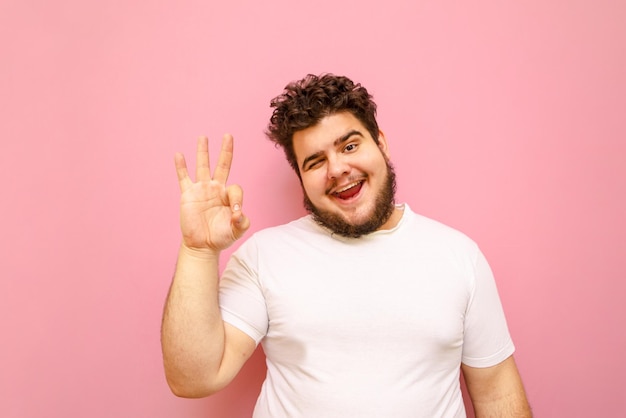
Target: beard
[(383, 208)]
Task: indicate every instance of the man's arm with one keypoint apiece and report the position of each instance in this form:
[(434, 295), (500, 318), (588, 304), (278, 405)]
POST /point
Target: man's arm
[(202, 354), (497, 391)]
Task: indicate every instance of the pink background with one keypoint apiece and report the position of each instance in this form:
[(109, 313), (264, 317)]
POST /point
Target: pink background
[(506, 120)]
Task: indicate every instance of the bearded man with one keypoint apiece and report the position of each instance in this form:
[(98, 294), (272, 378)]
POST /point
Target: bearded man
[(363, 307)]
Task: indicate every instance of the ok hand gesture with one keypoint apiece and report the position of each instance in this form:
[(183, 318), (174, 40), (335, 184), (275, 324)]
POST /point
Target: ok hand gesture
[(210, 212)]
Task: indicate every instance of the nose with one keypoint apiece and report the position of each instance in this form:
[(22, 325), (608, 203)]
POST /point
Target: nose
[(337, 166)]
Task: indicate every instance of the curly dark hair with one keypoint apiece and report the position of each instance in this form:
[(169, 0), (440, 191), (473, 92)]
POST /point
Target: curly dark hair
[(305, 102)]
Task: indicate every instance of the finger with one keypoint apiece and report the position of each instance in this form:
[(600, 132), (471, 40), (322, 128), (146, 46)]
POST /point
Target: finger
[(225, 159), (203, 168), (240, 222), (240, 226), (234, 197), (181, 170)]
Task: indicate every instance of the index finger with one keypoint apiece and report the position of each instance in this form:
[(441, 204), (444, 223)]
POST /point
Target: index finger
[(224, 160)]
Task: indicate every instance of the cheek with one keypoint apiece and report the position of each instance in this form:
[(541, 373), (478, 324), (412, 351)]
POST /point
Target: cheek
[(315, 184), (375, 164), (310, 185)]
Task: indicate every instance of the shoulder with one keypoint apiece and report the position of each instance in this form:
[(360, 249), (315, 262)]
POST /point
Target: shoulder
[(296, 229), (274, 238), (435, 232)]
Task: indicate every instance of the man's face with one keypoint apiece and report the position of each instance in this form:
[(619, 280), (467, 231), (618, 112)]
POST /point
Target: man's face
[(347, 180)]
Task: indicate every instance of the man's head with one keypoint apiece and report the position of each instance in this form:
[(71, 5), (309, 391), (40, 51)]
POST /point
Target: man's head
[(327, 128), (305, 102)]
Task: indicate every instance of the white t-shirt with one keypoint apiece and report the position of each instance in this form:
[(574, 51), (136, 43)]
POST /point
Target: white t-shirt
[(370, 327)]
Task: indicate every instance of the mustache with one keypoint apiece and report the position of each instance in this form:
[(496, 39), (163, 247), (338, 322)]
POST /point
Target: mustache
[(348, 180)]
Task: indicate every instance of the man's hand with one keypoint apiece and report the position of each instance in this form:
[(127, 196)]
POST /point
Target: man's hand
[(210, 212)]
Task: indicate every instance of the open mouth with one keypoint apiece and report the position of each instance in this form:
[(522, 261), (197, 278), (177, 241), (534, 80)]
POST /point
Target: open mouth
[(349, 190)]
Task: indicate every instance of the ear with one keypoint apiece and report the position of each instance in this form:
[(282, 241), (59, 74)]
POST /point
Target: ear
[(382, 144)]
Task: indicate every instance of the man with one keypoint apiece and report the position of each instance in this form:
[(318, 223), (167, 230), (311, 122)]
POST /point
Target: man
[(363, 308)]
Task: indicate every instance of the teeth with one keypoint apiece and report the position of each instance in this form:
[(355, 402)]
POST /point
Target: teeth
[(349, 186)]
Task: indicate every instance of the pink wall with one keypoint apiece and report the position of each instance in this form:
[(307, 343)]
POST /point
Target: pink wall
[(505, 120)]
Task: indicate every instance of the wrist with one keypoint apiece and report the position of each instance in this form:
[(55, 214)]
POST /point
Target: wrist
[(199, 253)]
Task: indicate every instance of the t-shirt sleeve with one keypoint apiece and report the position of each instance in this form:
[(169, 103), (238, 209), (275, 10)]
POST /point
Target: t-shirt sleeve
[(487, 341), (241, 298)]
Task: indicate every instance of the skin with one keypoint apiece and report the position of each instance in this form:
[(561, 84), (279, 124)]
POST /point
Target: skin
[(337, 153), (201, 353), (497, 391)]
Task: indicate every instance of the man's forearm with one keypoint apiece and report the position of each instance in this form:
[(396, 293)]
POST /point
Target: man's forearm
[(192, 334)]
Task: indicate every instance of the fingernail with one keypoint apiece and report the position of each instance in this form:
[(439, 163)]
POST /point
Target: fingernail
[(236, 207)]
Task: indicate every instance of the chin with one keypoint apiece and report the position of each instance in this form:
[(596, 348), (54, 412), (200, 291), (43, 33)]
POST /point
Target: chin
[(377, 214)]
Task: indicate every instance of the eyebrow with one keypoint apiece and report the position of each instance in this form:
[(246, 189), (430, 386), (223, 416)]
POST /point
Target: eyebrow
[(336, 143)]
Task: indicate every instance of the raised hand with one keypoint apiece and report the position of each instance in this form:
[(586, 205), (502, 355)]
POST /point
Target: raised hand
[(210, 212)]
